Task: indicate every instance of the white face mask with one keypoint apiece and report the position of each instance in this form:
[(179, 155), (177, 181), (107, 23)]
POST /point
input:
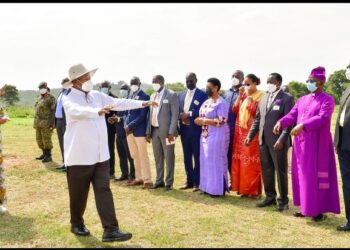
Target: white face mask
[(347, 74), (156, 86), (311, 86), (134, 88), (271, 87), (235, 81), (87, 86), (43, 91)]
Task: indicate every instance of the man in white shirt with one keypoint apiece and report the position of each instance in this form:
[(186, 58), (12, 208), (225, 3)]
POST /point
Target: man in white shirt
[(86, 151)]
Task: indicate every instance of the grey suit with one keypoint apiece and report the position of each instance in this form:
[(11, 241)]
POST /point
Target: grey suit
[(167, 118), (342, 144), (271, 160)]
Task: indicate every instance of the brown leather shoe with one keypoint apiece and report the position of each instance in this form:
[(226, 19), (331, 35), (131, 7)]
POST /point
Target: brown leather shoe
[(135, 183), (147, 185)]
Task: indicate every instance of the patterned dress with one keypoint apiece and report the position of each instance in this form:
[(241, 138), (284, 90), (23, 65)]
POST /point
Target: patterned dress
[(2, 175), (214, 144)]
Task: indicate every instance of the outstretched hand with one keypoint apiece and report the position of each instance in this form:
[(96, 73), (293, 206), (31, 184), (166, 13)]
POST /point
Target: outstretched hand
[(150, 103)]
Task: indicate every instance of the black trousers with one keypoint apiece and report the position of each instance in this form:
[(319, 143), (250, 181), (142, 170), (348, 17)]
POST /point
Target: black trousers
[(124, 156), (229, 157), (79, 178), (60, 128), (111, 145), (273, 162), (344, 163)]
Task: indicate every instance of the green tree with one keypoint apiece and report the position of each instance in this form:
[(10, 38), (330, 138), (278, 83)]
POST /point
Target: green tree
[(11, 95), (336, 84), (176, 87), (149, 91), (297, 89)]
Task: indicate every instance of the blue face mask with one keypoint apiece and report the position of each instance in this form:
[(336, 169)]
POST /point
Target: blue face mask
[(311, 86), (104, 90), (124, 93)]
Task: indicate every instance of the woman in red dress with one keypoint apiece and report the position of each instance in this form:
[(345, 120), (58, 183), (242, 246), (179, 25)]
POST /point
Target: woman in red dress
[(246, 167)]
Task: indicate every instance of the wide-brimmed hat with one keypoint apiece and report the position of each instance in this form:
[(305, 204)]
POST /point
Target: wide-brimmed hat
[(78, 70)]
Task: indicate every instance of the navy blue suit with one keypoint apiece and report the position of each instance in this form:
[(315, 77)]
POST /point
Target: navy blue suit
[(190, 135), (136, 119)]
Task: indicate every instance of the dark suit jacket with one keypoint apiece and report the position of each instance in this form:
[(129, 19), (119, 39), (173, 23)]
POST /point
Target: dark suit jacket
[(136, 119), (265, 120), (345, 137), (198, 98)]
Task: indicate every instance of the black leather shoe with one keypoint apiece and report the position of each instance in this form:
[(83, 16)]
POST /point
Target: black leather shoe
[(155, 186), (80, 230), (61, 167), (168, 188), (266, 203), (345, 227), (319, 217), (186, 186), (196, 189), (41, 156), (115, 235), (299, 215), (282, 207), (121, 178)]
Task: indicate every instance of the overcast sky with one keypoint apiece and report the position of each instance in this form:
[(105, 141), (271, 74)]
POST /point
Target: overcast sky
[(39, 42)]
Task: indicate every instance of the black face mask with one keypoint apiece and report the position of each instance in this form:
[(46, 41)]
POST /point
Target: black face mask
[(209, 91), (190, 85)]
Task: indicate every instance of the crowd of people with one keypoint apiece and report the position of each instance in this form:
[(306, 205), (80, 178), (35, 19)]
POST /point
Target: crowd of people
[(237, 142)]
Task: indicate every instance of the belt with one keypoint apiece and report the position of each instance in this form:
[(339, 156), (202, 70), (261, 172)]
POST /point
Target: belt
[(59, 118), (154, 126)]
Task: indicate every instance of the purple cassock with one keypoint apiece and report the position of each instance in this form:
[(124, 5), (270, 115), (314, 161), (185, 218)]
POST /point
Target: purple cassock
[(314, 174)]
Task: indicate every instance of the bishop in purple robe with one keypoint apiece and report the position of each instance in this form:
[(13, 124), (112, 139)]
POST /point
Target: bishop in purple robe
[(314, 174)]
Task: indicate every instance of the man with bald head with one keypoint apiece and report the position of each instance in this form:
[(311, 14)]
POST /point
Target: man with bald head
[(162, 129), (190, 102), (135, 127), (230, 97)]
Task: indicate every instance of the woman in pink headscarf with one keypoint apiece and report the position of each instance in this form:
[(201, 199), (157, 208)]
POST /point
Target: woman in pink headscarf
[(314, 174)]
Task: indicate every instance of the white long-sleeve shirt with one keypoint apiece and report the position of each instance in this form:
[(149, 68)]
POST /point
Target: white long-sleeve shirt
[(86, 139)]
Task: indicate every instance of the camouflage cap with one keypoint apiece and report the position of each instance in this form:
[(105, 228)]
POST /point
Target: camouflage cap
[(42, 85)]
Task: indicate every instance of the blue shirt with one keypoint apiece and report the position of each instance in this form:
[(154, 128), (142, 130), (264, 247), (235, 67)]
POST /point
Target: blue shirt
[(230, 97), (59, 105)]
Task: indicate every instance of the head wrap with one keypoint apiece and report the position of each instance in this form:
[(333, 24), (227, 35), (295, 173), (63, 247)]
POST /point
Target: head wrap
[(319, 73)]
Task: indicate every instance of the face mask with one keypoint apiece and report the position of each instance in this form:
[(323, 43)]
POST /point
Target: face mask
[(87, 86), (311, 86), (134, 88), (209, 91), (271, 87), (347, 74), (190, 85), (156, 86), (235, 81), (104, 90), (124, 93), (43, 91)]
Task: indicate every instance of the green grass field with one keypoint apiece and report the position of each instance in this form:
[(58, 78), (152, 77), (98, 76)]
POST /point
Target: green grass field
[(39, 209)]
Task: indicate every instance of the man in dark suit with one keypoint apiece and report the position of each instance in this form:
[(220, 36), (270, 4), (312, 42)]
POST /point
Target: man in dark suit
[(190, 102), (342, 145), (60, 119), (273, 148)]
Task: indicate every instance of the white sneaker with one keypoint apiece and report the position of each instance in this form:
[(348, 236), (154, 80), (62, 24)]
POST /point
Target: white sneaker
[(3, 209)]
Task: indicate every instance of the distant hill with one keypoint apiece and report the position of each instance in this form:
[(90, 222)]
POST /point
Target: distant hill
[(28, 97)]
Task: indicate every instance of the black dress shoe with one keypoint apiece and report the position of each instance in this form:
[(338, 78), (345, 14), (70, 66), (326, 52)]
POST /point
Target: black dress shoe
[(61, 167), (158, 185), (186, 186), (282, 207), (299, 215), (80, 230), (319, 217), (121, 178), (196, 189), (266, 203), (345, 227), (115, 235), (168, 188)]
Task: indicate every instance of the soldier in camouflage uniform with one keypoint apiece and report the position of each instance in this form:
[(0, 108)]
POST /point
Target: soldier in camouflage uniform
[(3, 119), (44, 121)]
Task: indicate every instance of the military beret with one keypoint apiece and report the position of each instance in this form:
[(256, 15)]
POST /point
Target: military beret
[(42, 85)]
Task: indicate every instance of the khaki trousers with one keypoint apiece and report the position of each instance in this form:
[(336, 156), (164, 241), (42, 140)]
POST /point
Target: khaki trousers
[(138, 151)]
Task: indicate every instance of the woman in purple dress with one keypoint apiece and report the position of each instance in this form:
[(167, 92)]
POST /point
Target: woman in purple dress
[(214, 141)]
